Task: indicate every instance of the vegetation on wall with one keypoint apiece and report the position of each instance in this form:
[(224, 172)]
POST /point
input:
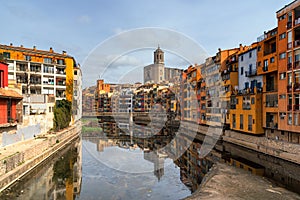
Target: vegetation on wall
[(62, 114)]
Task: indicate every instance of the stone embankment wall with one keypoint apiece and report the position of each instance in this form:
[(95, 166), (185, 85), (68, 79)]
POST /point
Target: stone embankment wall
[(25, 159), (276, 148)]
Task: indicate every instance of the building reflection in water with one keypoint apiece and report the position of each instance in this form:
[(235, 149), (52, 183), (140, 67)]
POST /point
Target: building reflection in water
[(192, 167)]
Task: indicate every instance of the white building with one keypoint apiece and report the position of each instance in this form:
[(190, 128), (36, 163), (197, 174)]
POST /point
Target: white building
[(248, 78)]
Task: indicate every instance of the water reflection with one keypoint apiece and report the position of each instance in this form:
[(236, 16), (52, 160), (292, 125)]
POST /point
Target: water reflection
[(109, 163), (57, 178)]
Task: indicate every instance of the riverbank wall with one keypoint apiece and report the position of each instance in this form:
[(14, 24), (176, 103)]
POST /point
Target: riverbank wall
[(18, 159)]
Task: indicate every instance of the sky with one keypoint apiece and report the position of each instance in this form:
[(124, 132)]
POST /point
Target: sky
[(81, 27)]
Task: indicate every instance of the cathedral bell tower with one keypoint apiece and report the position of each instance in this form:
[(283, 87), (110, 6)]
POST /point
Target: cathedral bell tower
[(159, 56)]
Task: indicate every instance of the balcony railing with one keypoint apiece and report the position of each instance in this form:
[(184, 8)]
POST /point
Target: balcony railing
[(289, 88), (246, 107), (297, 43), (249, 127), (297, 65), (289, 107), (265, 68), (272, 125), (289, 45), (272, 104), (251, 73), (289, 66), (296, 107), (289, 25), (297, 87)]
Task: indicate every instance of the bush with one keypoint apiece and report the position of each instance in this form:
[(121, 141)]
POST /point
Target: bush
[(62, 114)]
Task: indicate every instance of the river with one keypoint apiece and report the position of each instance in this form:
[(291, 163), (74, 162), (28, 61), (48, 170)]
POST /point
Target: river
[(116, 161)]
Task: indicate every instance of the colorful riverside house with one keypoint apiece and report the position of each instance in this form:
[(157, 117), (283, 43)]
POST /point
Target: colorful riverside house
[(9, 100), (219, 91), (190, 94), (201, 93), (288, 51), (102, 97), (267, 66), (246, 99)]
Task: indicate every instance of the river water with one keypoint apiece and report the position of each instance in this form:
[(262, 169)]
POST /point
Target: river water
[(115, 161)]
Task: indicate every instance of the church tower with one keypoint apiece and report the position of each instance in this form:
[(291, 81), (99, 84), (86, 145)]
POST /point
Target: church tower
[(159, 56)]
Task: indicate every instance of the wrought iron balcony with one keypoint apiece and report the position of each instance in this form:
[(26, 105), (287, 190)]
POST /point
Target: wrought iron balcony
[(251, 73)]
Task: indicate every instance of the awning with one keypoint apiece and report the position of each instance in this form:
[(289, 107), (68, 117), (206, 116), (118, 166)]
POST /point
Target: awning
[(8, 93)]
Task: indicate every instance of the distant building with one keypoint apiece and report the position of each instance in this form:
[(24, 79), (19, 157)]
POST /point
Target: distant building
[(158, 73)]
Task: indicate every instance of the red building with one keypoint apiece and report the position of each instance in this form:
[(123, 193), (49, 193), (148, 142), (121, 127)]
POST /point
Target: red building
[(8, 98)]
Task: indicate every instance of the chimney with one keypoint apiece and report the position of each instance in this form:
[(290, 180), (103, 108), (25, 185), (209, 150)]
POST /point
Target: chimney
[(21, 45), (64, 53), (219, 49), (51, 50), (34, 47), (11, 44)]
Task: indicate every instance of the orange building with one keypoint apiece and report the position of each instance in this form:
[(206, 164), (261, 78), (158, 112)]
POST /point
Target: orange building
[(288, 51), (267, 66)]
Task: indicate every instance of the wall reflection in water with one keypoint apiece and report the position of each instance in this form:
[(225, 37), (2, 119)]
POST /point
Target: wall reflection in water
[(57, 178)]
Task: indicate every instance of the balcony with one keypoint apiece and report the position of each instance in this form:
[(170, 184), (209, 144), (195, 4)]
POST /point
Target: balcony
[(249, 127), (265, 68), (247, 106), (272, 125), (297, 87), (297, 21), (297, 43), (290, 45), (272, 104), (297, 65), (289, 25), (289, 107), (296, 107), (289, 88), (251, 73), (289, 66)]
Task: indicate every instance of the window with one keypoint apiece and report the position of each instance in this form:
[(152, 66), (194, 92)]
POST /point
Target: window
[(241, 122), (266, 63), (290, 119), (282, 76), (6, 55), (282, 116), (233, 121), (75, 72), (282, 17), (272, 60), (1, 79), (242, 70), (282, 96), (27, 58), (259, 64), (250, 54), (242, 58), (282, 56), (258, 48), (48, 60), (252, 100), (282, 36), (250, 122)]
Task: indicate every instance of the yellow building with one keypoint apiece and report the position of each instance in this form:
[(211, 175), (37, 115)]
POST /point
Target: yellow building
[(246, 99), (39, 71)]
